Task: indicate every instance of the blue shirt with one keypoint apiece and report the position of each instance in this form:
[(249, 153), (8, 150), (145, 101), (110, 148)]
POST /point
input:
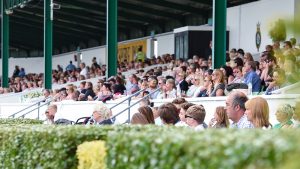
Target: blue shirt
[(70, 67), (252, 77)]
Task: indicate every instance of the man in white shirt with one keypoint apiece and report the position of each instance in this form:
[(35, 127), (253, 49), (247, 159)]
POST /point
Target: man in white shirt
[(235, 108), (84, 70)]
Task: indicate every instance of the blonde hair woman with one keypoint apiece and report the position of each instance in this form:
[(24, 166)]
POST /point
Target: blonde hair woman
[(218, 84), (257, 112)]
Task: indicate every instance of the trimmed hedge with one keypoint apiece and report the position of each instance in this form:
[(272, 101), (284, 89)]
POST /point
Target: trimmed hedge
[(46, 146), (209, 149), (19, 121)]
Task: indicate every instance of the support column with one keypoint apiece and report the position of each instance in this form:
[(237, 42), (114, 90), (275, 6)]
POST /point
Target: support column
[(111, 36), (48, 17), (4, 44), (219, 33)]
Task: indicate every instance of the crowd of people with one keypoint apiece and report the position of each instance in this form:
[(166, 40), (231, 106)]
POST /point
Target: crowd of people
[(277, 67)]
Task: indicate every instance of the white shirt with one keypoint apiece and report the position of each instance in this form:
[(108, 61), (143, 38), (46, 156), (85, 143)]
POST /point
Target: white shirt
[(200, 127), (181, 124), (84, 72)]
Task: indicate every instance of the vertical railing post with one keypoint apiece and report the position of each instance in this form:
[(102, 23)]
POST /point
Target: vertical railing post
[(111, 36), (48, 17), (4, 44), (129, 110), (38, 117), (219, 33)]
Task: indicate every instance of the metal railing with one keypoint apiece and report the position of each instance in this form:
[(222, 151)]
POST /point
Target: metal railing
[(130, 106), (39, 105), (129, 99)]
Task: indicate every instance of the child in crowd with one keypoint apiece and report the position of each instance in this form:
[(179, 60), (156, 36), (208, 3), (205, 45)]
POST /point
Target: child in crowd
[(220, 119)]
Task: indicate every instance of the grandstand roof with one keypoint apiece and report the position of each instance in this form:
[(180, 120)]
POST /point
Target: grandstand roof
[(83, 22)]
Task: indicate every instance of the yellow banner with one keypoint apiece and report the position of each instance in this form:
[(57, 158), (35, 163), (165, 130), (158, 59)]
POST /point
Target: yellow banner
[(128, 50)]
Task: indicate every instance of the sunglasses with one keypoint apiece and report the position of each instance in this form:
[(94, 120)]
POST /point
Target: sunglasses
[(187, 116)]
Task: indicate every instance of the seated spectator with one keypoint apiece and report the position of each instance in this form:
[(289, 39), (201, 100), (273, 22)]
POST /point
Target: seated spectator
[(278, 82), (235, 109), (195, 116), (182, 86), (182, 114), (195, 87), (220, 119), (50, 114), (168, 114), (178, 103), (89, 92), (169, 90), (157, 119), (284, 115), (47, 95), (238, 75), (119, 87), (248, 57), (257, 112), (296, 116), (132, 86), (228, 74), (71, 95), (153, 85), (218, 84), (147, 112), (101, 115), (204, 89), (105, 93), (251, 77), (139, 119)]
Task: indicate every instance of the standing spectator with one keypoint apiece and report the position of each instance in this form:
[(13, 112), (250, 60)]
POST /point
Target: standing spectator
[(70, 66), (16, 71), (235, 109), (182, 86), (22, 73), (59, 68), (84, 70)]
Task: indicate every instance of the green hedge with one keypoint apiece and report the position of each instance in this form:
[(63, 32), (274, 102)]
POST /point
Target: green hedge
[(210, 149), (46, 146), (19, 121)]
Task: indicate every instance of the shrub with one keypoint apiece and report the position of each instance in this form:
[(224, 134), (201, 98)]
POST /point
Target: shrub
[(19, 121), (91, 155), (44, 146), (209, 149)]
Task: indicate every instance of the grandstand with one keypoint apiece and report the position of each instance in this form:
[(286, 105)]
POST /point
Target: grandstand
[(196, 64)]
